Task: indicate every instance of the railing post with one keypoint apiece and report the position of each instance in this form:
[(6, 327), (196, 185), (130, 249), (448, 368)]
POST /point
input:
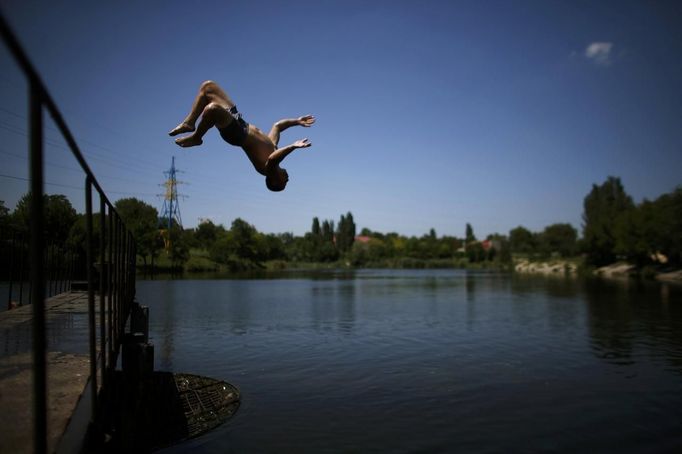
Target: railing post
[(122, 276), (11, 271), (22, 265), (37, 271), (125, 275), (102, 274), (131, 260), (118, 280), (53, 271), (50, 270), (133, 271), (110, 285), (89, 258)]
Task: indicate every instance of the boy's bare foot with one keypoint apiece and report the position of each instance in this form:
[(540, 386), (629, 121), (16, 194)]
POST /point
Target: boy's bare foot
[(188, 141), (181, 129)]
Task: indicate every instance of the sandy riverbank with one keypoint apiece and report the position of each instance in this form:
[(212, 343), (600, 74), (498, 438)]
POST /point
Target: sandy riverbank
[(617, 270), (673, 276), (556, 267)]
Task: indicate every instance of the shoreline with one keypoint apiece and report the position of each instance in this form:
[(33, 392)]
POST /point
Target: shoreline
[(618, 270)]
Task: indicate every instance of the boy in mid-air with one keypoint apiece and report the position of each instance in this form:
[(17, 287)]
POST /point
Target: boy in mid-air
[(217, 109)]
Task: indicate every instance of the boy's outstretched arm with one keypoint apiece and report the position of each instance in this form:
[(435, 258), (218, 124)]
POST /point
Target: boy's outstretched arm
[(306, 121), (278, 155)]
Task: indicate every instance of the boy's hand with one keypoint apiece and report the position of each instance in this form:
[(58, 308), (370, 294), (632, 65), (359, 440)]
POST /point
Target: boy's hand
[(303, 143), (306, 121)]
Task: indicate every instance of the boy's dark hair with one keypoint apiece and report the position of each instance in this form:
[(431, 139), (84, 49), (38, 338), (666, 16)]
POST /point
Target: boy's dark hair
[(274, 185)]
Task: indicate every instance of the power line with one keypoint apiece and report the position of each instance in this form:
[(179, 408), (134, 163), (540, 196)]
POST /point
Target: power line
[(125, 165), (73, 169), (81, 139), (46, 182), (73, 187)]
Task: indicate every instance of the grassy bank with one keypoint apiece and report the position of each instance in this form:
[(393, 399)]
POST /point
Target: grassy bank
[(200, 262)]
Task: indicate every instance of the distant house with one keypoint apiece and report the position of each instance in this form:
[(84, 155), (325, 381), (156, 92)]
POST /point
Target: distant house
[(364, 239), (486, 245)]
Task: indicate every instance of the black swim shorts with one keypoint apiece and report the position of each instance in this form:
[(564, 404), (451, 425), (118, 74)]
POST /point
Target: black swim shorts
[(235, 133)]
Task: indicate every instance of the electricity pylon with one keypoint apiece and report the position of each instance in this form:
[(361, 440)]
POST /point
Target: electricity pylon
[(171, 206)]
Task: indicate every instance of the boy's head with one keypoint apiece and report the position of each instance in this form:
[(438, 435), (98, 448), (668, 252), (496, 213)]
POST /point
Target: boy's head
[(277, 181)]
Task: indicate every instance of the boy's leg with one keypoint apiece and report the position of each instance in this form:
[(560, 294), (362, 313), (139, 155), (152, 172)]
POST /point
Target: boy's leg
[(209, 92), (213, 114)]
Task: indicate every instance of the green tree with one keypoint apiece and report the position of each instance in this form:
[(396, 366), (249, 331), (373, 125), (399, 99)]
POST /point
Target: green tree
[(670, 228), (317, 245), (429, 245), (273, 247), (375, 251), (315, 230), (651, 228), (345, 234), (447, 246), (142, 221), (634, 234), (206, 233), (522, 240), (475, 252), (501, 250), (243, 247), (244, 243), (602, 208), (59, 216), (76, 240), (469, 235), (4, 218), (328, 231), (179, 248), (294, 247), (559, 238)]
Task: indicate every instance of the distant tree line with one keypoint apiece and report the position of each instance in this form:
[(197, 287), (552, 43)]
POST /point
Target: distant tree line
[(65, 229), (243, 247), (614, 228)]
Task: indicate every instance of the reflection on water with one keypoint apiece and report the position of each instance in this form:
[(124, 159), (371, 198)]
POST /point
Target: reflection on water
[(334, 303), (429, 360), (633, 321), (167, 321)]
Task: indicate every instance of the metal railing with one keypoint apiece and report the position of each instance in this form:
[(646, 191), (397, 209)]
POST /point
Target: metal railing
[(61, 267), (116, 260)]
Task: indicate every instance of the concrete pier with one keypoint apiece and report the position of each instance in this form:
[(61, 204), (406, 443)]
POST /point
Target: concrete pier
[(147, 409), (67, 369)]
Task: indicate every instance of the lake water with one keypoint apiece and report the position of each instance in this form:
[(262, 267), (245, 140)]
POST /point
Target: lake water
[(428, 361)]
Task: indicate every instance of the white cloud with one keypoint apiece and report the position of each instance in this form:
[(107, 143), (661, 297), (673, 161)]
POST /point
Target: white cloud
[(599, 52)]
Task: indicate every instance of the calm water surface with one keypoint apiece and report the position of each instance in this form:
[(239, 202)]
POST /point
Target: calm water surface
[(429, 361)]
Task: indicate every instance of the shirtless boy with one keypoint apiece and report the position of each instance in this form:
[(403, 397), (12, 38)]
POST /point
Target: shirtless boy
[(217, 109)]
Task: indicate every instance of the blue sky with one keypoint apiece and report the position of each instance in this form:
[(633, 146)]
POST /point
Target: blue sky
[(430, 114)]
